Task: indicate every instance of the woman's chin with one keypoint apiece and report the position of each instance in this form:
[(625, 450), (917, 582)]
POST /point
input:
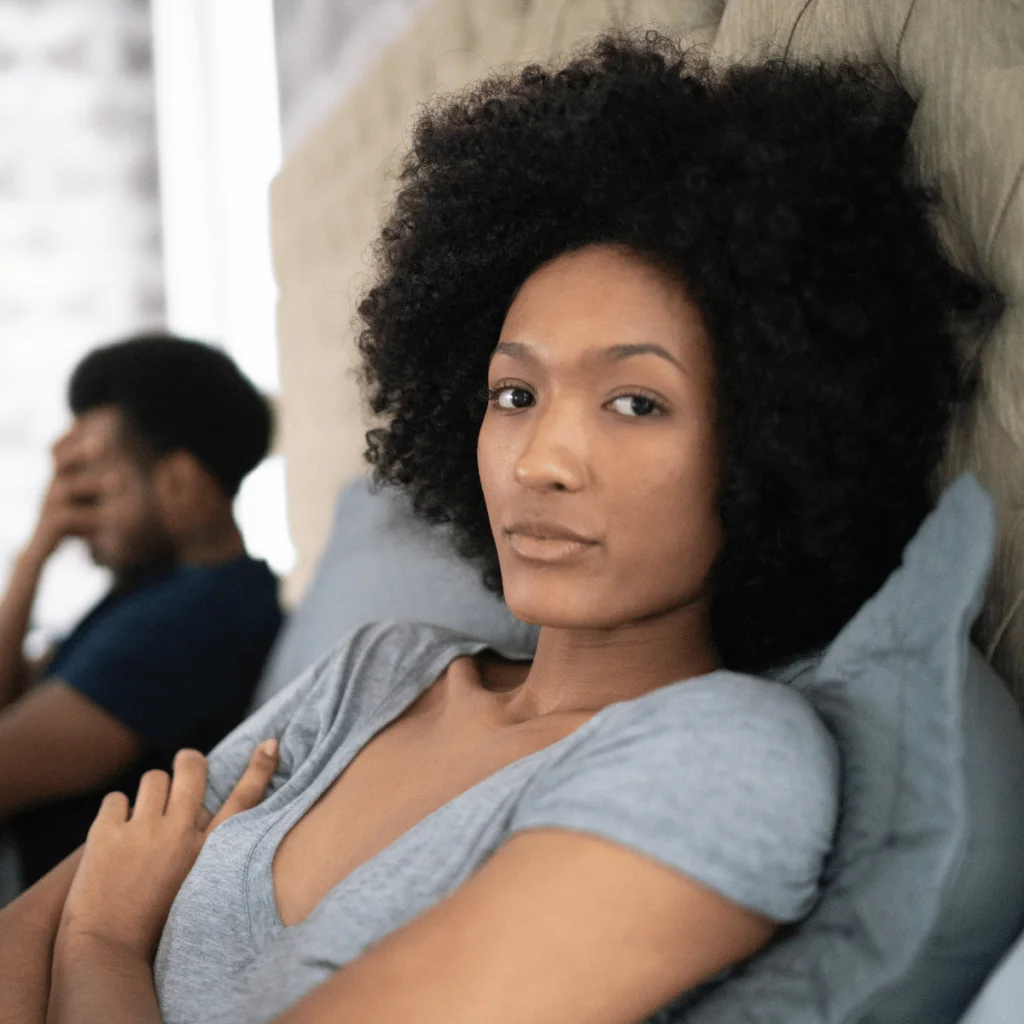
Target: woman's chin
[(557, 607)]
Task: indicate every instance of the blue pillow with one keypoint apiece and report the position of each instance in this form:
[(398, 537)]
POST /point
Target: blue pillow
[(924, 889)]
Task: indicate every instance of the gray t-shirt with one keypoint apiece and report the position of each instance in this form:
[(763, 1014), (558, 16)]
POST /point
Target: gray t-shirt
[(729, 779)]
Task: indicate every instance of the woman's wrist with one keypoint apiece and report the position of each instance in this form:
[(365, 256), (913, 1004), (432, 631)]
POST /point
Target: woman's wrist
[(78, 945), (97, 977)]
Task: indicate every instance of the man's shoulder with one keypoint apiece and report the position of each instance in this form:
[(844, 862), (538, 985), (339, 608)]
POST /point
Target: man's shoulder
[(205, 595)]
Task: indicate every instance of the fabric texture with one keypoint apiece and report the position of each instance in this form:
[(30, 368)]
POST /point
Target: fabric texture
[(924, 890), (175, 650), (176, 659), (728, 779), (381, 562)]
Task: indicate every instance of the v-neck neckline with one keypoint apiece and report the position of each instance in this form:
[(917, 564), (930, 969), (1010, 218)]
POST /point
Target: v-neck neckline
[(396, 701)]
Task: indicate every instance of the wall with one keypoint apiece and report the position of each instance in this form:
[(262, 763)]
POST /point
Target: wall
[(326, 205), (324, 47), (79, 233)]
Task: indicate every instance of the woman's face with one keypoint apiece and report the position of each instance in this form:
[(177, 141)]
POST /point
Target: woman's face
[(600, 426)]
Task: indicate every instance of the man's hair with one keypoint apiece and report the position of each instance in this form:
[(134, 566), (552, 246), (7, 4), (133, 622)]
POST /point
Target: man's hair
[(176, 394), (777, 193)]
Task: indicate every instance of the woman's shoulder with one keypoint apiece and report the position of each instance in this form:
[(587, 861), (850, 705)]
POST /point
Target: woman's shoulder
[(369, 669), (746, 719), (389, 650), (372, 668), (730, 711), (731, 779), (381, 652), (759, 739)]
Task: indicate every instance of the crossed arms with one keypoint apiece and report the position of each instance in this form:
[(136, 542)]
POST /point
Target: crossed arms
[(556, 927)]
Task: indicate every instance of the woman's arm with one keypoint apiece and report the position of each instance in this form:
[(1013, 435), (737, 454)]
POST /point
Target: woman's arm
[(131, 869), (28, 928), (98, 980), (558, 927)]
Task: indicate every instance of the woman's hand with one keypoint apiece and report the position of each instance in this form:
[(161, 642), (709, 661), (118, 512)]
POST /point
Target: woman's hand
[(136, 859)]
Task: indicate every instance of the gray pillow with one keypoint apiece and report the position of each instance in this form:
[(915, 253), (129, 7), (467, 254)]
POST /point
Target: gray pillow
[(381, 562), (924, 890)]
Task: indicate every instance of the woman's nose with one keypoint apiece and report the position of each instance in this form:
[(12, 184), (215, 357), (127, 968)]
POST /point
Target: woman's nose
[(554, 455)]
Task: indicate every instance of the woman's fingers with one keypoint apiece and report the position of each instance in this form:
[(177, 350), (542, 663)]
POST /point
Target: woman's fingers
[(250, 788), (188, 786), (152, 796), (113, 809)]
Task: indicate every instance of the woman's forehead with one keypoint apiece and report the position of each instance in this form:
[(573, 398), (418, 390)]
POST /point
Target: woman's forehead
[(602, 303)]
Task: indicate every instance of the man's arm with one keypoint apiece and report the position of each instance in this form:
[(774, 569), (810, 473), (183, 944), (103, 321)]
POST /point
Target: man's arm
[(14, 615), (54, 743), (28, 928), (68, 510)]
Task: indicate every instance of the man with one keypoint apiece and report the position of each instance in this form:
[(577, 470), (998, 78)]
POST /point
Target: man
[(165, 429)]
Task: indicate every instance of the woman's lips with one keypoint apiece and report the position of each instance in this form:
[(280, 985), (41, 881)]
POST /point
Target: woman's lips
[(547, 549)]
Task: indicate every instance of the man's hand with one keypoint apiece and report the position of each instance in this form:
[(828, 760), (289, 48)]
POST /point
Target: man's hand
[(136, 859), (74, 495), (82, 485)]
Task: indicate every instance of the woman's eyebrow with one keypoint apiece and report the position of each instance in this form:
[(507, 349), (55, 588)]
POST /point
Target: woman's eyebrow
[(613, 353), (616, 352), (514, 349)]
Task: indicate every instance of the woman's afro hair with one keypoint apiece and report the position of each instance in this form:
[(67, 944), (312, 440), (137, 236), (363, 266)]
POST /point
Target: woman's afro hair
[(778, 193)]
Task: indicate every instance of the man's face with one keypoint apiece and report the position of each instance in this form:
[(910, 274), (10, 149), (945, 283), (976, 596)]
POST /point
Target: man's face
[(128, 535)]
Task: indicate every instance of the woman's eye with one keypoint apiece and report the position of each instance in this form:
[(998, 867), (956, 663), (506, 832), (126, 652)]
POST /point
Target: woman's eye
[(635, 405), (511, 398)]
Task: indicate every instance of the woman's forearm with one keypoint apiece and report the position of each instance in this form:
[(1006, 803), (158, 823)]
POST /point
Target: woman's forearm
[(28, 929), (97, 980)]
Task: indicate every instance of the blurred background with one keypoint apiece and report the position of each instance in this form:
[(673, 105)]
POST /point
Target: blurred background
[(147, 149), (138, 141)]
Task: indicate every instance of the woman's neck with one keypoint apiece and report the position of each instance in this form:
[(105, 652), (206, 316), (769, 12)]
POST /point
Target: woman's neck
[(586, 670)]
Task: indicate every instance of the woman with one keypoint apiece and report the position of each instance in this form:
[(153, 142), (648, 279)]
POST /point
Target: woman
[(673, 351)]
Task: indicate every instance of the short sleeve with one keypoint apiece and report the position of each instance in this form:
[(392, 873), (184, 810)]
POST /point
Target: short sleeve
[(730, 780)]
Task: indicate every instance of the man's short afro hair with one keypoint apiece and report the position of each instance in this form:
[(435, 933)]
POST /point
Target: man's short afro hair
[(178, 394), (778, 193)]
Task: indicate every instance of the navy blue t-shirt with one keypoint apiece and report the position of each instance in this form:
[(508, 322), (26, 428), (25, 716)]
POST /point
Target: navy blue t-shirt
[(176, 658)]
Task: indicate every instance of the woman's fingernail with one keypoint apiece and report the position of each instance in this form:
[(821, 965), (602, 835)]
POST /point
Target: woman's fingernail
[(268, 747)]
